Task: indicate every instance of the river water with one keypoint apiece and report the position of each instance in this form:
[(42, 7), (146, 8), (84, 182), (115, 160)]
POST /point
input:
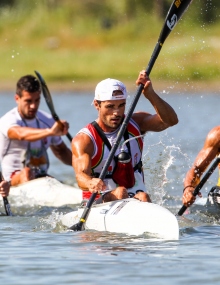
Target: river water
[(36, 250)]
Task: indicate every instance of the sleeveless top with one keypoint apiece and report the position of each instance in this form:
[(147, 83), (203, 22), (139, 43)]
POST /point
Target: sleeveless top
[(101, 153)]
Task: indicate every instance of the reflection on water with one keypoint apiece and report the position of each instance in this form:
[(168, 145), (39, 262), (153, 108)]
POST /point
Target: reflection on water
[(110, 243)]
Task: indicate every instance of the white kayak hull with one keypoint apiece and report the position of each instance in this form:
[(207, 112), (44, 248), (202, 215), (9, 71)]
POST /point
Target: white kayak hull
[(45, 191), (129, 216)]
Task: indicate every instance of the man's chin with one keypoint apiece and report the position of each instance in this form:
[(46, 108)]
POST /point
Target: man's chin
[(114, 126), (30, 117)]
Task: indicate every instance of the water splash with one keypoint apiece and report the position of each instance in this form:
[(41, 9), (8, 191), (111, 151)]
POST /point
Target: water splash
[(157, 160), (52, 222)]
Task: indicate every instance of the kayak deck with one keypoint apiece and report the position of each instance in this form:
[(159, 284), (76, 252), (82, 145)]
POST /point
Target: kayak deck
[(45, 191), (129, 216)]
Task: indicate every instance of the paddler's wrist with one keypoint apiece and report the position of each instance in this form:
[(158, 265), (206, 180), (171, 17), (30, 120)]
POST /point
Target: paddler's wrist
[(49, 132), (89, 185), (189, 188)]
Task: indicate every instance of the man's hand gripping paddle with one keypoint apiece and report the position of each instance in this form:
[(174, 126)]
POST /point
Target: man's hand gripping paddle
[(201, 183)]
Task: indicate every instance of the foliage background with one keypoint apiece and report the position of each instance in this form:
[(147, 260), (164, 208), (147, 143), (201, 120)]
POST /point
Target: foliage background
[(84, 41)]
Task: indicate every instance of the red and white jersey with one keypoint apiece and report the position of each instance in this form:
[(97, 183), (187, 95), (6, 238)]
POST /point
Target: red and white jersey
[(101, 151)]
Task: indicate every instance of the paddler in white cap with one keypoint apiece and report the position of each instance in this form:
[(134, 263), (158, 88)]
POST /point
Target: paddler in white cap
[(92, 144)]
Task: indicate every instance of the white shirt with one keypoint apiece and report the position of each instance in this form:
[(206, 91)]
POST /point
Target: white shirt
[(12, 151)]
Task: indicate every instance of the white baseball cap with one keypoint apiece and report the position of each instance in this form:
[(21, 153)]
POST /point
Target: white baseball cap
[(104, 90)]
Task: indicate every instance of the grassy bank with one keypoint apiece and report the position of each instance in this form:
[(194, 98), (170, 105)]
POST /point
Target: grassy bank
[(77, 50)]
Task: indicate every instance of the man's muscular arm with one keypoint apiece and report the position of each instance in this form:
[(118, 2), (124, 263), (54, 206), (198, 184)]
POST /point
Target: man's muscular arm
[(34, 134), (82, 151), (209, 151)]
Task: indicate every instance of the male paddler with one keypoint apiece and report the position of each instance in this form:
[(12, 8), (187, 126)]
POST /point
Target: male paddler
[(26, 133), (92, 144), (205, 156)]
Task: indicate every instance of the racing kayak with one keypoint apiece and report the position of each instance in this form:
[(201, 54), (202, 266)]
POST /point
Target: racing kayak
[(129, 216), (45, 191)]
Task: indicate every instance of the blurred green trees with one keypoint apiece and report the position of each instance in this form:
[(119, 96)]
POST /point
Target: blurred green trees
[(202, 10), (64, 38)]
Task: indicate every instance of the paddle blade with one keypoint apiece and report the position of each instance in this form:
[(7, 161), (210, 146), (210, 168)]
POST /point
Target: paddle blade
[(5, 200), (49, 101), (174, 14), (80, 225), (7, 207), (77, 227), (47, 95)]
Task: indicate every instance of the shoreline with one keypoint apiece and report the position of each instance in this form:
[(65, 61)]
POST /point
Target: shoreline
[(159, 86)]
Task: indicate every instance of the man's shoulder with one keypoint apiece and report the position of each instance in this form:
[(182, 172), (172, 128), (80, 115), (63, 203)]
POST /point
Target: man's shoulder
[(11, 113), (85, 131), (134, 120), (83, 135), (214, 131), (44, 114), (8, 120), (82, 140), (213, 137)]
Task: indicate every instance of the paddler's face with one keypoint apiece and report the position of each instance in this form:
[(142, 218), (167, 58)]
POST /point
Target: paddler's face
[(28, 104), (111, 113)]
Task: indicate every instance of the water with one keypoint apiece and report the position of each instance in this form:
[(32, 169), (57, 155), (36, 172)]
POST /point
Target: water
[(35, 249)]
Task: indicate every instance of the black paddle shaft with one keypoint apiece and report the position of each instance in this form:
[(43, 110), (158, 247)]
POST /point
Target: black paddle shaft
[(5, 200), (7, 207), (201, 183), (174, 14), (49, 101)]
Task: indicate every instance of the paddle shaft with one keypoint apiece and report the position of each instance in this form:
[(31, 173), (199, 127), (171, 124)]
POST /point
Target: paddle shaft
[(175, 12), (201, 183), (5, 201), (7, 207), (49, 101)]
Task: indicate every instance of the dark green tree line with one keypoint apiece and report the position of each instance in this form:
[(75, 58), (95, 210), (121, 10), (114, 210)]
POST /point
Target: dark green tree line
[(206, 11)]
